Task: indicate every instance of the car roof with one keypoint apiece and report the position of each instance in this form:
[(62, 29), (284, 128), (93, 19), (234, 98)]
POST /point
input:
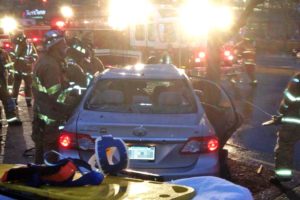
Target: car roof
[(144, 71)]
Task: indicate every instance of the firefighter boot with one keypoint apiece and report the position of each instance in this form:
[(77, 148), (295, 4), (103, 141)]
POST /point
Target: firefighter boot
[(11, 116)]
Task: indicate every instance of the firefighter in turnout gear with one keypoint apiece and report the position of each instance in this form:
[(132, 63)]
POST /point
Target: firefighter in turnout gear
[(53, 95), (8, 103), (24, 55), (96, 63), (247, 50), (82, 54), (289, 132), (74, 68)]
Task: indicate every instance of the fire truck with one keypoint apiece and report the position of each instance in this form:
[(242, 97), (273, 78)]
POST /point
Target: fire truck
[(161, 35), (5, 41)]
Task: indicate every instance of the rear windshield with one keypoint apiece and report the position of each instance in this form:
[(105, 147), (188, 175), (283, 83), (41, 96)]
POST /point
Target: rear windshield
[(141, 96)]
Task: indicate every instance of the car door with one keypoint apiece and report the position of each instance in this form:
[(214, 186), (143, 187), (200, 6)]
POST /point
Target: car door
[(219, 108)]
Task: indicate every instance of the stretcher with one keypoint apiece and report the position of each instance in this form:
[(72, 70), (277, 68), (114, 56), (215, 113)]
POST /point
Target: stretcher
[(112, 188)]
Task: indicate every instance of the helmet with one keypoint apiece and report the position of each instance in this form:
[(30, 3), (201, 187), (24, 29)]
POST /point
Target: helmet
[(20, 38), (152, 60), (166, 59), (52, 37), (87, 42), (77, 48)]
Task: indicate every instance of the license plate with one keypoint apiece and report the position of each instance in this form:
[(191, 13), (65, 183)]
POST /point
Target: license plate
[(141, 153)]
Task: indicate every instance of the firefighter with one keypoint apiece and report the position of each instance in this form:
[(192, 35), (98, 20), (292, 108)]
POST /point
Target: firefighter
[(93, 64), (53, 95), (24, 56), (247, 51), (289, 132), (75, 64), (152, 60), (82, 54), (8, 103)]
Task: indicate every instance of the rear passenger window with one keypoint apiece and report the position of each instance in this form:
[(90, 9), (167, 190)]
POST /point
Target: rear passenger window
[(142, 96)]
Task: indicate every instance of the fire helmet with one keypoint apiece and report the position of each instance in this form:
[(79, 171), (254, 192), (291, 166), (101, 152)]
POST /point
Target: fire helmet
[(20, 38), (52, 38), (152, 60)]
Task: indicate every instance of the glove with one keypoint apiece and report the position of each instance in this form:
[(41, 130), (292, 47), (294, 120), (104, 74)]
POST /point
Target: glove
[(276, 119)]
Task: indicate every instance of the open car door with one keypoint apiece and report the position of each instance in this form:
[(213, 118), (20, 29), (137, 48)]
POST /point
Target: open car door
[(219, 108)]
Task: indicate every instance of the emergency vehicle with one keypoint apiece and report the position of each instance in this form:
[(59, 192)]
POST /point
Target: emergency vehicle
[(161, 35), (5, 41)]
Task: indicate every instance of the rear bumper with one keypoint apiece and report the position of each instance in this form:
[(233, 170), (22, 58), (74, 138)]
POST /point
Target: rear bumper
[(206, 165)]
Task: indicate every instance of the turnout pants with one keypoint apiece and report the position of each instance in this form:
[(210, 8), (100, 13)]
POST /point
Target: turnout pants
[(287, 137), (8, 104), (28, 86), (45, 138)]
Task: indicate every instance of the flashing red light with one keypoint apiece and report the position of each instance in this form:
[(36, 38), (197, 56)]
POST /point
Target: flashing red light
[(35, 39), (213, 144), (60, 24), (227, 53), (201, 54), (44, 1), (7, 45), (65, 140)]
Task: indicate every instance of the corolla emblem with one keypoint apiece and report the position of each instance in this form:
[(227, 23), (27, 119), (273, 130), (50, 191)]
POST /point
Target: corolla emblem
[(139, 131)]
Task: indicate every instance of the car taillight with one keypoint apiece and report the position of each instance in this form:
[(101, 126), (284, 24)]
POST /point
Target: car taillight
[(66, 140), (85, 142), (196, 145), (213, 144), (74, 140)]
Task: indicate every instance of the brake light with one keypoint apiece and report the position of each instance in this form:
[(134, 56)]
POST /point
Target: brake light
[(213, 144), (196, 145), (65, 140), (73, 140)]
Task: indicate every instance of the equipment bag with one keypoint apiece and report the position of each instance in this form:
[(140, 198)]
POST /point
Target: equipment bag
[(59, 174)]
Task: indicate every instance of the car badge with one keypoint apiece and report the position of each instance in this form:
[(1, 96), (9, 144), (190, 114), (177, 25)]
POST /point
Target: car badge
[(139, 131)]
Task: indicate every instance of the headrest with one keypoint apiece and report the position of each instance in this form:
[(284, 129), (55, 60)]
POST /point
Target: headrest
[(112, 97), (169, 99), (140, 99)]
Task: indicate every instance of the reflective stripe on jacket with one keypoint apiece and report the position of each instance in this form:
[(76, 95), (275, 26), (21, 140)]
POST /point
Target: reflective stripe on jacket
[(290, 104)]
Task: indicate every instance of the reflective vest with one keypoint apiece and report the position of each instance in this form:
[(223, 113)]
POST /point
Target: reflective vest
[(23, 56), (290, 104), (49, 89)]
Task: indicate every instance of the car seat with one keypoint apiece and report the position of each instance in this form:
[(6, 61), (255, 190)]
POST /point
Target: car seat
[(169, 99)]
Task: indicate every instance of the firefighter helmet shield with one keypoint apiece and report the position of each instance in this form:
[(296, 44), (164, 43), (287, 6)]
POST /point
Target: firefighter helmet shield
[(52, 37), (20, 38), (78, 49)]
